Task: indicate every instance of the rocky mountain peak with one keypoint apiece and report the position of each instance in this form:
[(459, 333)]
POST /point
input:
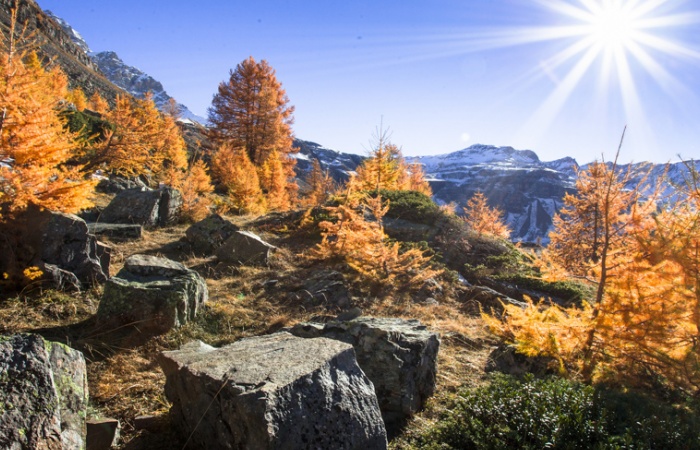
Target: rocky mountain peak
[(74, 35), (134, 81)]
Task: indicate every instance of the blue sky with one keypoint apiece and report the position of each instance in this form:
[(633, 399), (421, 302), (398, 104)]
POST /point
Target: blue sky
[(560, 77)]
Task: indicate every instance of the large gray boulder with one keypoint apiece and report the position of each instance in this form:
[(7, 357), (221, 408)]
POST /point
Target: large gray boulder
[(245, 248), (152, 293), (143, 206), (399, 356), (207, 235), (43, 394), (273, 392)]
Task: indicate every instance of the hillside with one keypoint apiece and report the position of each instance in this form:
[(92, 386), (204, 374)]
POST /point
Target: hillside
[(56, 44)]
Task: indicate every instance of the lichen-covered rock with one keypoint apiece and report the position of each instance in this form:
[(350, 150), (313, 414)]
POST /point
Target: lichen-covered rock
[(399, 356), (43, 394), (154, 294), (245, 248), (273, 392), (207, 235), (143, 206)]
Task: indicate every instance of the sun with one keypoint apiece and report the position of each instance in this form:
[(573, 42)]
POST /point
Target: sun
[(613, 25)]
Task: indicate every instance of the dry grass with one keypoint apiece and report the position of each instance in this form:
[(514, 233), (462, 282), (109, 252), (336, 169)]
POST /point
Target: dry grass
[(125, 380)]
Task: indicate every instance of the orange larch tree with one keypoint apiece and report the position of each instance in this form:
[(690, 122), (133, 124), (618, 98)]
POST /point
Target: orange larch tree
[(251, 111), (320, 183), (34, 145), (234, 170), (485, 219), (144, 140)]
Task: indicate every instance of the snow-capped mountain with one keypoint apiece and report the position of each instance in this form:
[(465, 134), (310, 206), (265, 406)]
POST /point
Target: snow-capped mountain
[(339, 165), (129, 78), (528, 190)]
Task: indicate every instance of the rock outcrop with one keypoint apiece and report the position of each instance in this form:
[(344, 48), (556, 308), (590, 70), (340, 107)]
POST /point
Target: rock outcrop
[(67, 244), (399, 356), (207, 235), (273, 392), (143, 206), (43, 394), (245, 248), (155, 294), (59, 247)]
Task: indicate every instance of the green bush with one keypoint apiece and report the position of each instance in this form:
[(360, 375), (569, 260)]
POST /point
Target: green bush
[(411, 205), (88, 125), (557, 414), (568, 292)]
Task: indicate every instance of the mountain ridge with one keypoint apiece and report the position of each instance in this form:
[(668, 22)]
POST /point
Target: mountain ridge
[(131, 79)]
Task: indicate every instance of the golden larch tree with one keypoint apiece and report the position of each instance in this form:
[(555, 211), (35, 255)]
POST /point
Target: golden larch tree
[(251, 111), (234, 170), (144, 140), (485, 219), (34, 145), (643, 318), (364, 246), (321, 185)]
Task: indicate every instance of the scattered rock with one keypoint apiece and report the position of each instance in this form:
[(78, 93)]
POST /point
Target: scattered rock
[(60, 279), (115, 185), (327, 287), (506, 360), (431, 289), (102, 434), (245, 248), (43, 394), (207, 235), (116, 230), (151, 423), (350, 314), (399, 356), (492, 300), (273, 392), (155, 294), (143, 206)]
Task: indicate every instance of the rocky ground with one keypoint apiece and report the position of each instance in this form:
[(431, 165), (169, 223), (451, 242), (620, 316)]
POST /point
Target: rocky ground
[(125, 380)]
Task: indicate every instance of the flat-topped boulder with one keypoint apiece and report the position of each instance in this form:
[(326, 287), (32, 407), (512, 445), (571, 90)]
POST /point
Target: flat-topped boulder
[(245, 248), (116, 230), (207, 235), (144, 206), (273, 392), (43, 394), (153, 293), (399, 356)]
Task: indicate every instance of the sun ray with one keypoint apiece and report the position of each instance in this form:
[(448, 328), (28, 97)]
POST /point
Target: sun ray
[(545, 115)]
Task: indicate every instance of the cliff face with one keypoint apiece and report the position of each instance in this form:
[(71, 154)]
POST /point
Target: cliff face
[(57, 46)]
